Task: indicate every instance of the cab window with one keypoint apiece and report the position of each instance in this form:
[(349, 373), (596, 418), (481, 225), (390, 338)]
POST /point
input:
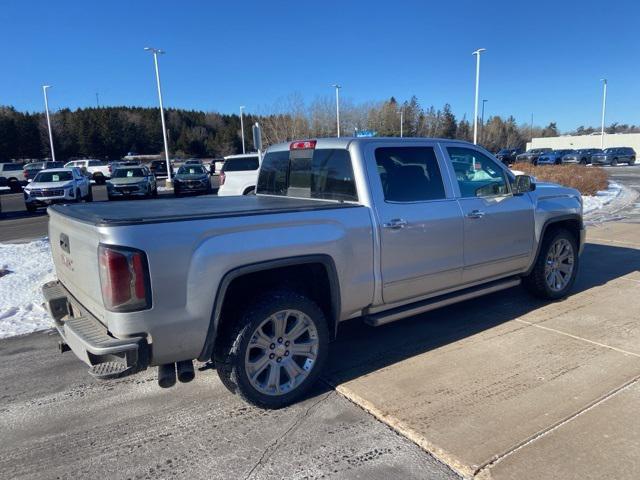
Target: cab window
[(477, 174)]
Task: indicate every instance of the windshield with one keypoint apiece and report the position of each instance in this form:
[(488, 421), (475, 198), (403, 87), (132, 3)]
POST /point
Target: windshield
[(191, 170), (44, 177), (128, 172), (609, 150)]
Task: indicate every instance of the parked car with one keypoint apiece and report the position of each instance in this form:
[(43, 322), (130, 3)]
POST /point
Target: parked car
[(239, 174), (193, 161), (554, 157), (30, 170), (97, 169), (508, 155), (614, 156), (340, 228), (582, 156), (11, 175), (159, 168), (531, 156), (191, 178), (57, 185), (136, 181)]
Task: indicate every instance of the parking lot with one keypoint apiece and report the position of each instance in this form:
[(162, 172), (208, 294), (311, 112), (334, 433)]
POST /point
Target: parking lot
[(499, 387)]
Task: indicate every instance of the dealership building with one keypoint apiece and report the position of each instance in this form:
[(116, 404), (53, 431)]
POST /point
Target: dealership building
[(587, 141)]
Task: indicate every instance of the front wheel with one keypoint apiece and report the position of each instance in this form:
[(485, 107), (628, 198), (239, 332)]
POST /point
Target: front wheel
[(276, 350), (556, 267), (614, 162)]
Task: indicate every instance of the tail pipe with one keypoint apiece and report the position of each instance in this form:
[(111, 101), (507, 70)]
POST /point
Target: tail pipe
[(167, 375), (185, 371)]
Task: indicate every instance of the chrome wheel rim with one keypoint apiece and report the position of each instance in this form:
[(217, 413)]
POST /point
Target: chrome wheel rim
[(282, 352), (559, 265)]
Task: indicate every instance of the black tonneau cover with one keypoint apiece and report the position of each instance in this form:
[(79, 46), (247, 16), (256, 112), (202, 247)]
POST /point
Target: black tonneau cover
[(160, 210)]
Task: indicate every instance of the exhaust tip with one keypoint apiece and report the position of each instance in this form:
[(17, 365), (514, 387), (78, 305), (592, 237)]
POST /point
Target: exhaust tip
[(185, 371), (167, 375)]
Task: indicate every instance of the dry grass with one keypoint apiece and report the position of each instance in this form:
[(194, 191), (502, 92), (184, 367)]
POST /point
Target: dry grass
[(587, 180)]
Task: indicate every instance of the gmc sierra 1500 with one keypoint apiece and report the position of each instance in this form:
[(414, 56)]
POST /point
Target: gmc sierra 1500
[(378, 228)]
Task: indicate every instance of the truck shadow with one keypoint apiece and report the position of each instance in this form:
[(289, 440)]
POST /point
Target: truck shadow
[(360, 349)]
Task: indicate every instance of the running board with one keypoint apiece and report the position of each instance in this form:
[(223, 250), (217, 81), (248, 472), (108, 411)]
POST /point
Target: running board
[(405, 311)]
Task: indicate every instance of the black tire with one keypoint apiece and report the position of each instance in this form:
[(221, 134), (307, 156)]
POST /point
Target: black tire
[(177, 192), (250, 191), (14, 185), (110, 198), (536, 282), (89, 197), (632, 161), (155, 191), (99, 179), (231, 351), (30, 207), (78, 198), (583, 161), (614, 162)]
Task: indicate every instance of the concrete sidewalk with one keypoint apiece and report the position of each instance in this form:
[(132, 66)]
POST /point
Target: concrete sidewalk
[(510, 387)]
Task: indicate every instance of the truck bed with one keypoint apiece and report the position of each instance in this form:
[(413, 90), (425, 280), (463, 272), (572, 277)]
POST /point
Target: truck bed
[(136, 212)]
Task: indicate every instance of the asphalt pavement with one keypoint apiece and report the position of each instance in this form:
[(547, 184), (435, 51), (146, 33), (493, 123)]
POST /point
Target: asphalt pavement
[(58, 422)]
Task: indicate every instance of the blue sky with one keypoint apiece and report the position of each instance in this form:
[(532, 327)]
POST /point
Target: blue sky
[(544, 58)]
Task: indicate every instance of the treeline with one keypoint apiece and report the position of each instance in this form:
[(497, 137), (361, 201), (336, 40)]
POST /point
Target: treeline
[(112, 132)]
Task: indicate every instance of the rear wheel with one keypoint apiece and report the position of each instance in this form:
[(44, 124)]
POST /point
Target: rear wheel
[(78, 195), (99, 178), (614, 162), (250, 191), (30, 207), (89, 197), (276, 350), (632, 161), (583, 161), (554, 272), (14, 185)]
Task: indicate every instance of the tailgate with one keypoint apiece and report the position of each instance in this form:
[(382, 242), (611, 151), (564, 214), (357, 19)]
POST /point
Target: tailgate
[(74, 246)]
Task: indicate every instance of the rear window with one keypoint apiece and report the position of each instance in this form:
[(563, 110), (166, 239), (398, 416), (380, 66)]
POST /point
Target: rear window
[(314, 173), (241, 164), (11, 167)]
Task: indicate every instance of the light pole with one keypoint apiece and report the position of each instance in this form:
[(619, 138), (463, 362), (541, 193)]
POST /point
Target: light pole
[(475, 116), (242, 126), (401, 120), (155, 52), (46, 108), (337, 87), (482, 119), (604, 107)]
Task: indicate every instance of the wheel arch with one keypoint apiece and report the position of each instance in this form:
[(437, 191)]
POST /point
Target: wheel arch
[(239, 276), (573, 223)]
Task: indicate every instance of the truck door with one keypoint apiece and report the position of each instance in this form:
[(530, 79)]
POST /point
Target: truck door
[(498, 226), (419, 221)]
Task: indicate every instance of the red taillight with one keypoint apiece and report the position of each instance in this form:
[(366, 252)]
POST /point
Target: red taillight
[(222, 178), (124, 279), (303, 145)]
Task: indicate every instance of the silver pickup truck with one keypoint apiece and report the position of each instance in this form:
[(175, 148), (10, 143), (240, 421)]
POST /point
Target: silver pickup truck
[(378, 229)]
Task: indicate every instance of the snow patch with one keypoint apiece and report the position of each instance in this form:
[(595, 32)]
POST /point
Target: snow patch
[(21, 300), (600, 199)]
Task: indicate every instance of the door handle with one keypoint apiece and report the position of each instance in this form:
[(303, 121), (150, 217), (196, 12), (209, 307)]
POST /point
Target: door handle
[(395, 224), (475, 214)]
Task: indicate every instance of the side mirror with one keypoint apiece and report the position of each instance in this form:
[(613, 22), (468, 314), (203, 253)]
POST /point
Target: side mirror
[(523, 184)]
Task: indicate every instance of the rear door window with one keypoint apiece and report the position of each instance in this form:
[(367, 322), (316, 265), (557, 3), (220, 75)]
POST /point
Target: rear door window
[(11, 167), (310, 173), (409, 174)]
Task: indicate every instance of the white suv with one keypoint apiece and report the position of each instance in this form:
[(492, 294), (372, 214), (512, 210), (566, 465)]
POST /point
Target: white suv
[(57, 185), (10, 176), (239, 174)]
